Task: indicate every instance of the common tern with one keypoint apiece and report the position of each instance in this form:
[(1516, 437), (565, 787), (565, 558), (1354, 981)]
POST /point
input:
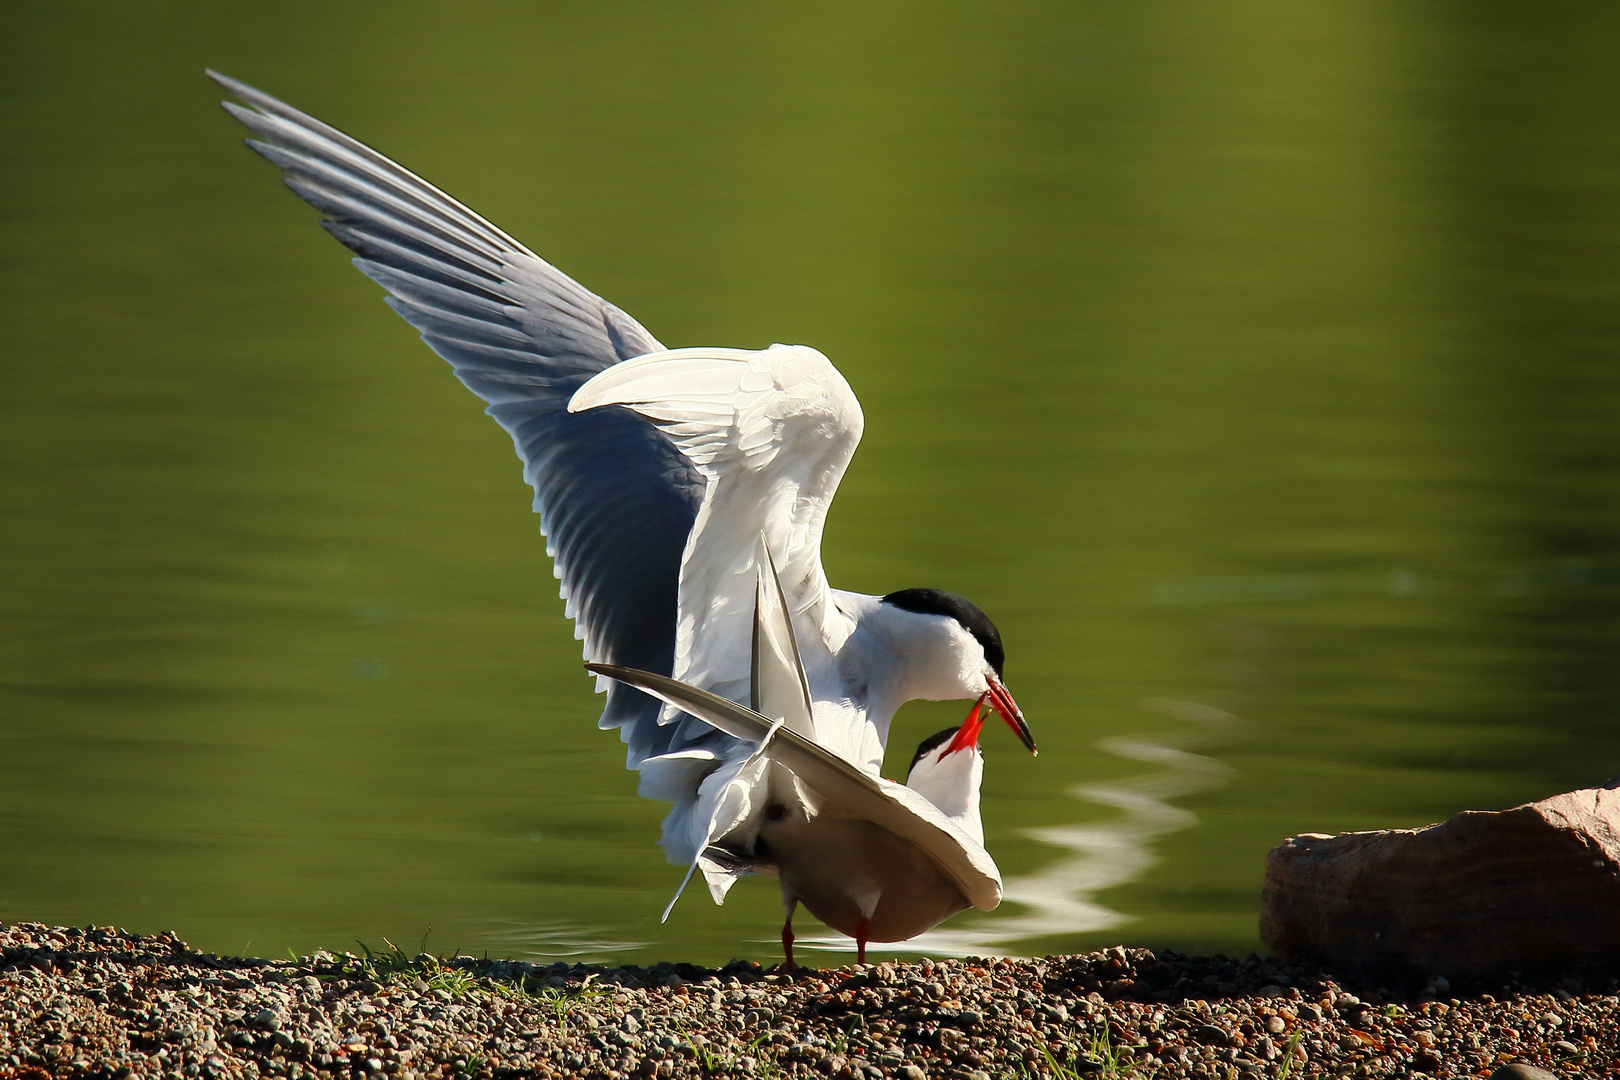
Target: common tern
[(667, 481), (874, 859)]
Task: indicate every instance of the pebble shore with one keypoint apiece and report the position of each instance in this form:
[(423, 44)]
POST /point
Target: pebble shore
[(100, 1002)]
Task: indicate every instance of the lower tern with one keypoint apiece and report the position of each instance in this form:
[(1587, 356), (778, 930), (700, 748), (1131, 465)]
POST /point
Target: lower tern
[(673, 486)]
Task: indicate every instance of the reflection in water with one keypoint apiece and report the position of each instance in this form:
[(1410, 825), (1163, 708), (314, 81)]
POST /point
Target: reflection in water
[(1058, 899), (548, 941)]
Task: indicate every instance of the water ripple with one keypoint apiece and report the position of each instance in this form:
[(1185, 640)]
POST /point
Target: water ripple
[(1099, 855)]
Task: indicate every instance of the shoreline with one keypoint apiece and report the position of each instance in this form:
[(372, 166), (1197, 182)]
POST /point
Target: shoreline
[(104, 1003)]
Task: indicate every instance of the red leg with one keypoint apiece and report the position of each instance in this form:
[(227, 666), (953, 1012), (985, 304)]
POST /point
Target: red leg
[(787, 933), (860, 940)]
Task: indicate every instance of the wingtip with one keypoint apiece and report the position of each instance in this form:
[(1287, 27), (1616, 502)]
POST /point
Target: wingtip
[(244, 114), (233, 85)]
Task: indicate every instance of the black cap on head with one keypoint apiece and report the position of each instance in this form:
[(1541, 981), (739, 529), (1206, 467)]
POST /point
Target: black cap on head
[(930, 744), (974, 621)]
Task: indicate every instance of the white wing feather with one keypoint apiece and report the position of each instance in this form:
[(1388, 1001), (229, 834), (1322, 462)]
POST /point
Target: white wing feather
[(772, 433)]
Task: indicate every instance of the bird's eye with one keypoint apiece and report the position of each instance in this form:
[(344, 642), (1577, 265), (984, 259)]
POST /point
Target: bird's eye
[(776, 812)]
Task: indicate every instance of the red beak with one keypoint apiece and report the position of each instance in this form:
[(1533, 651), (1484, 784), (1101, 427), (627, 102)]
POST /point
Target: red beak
[(1003, 703), (967, 736)]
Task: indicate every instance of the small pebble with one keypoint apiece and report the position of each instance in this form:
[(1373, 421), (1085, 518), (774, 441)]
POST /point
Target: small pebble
[(1168, 1015)]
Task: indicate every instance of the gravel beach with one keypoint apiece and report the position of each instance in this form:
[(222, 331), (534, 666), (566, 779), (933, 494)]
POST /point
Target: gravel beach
[(101, 1002)]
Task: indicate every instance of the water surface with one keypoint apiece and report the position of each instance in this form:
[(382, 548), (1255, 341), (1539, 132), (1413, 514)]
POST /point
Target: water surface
[(1255, 369)]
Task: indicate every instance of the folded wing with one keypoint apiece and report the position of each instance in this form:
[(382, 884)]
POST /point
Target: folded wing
[(846, 791)]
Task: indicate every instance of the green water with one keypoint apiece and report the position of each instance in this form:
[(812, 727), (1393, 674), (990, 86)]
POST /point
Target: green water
[(1256, 366)]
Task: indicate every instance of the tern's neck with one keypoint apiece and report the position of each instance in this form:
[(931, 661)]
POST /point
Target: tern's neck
[(952, 784)]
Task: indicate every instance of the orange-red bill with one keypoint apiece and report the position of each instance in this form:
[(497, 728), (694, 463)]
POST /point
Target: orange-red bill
[(967, 735), (1007, 708)]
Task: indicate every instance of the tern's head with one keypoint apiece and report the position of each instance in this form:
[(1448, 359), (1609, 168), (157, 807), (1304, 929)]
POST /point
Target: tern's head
[(960, 649), (947, 770)]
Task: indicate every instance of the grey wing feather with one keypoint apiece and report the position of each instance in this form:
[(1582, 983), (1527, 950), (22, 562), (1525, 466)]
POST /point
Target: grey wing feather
[(616, 500)]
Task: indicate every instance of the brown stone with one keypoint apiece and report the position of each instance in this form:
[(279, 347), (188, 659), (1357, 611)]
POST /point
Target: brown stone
[(1533, 888), (1424, 1061), (1518, 1070)]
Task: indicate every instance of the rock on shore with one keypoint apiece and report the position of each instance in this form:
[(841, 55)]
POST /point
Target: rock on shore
[(1534, 887), (104, 1003)]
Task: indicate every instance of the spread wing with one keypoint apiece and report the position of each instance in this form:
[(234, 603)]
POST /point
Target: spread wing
[(616, 500), (772, 433)]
